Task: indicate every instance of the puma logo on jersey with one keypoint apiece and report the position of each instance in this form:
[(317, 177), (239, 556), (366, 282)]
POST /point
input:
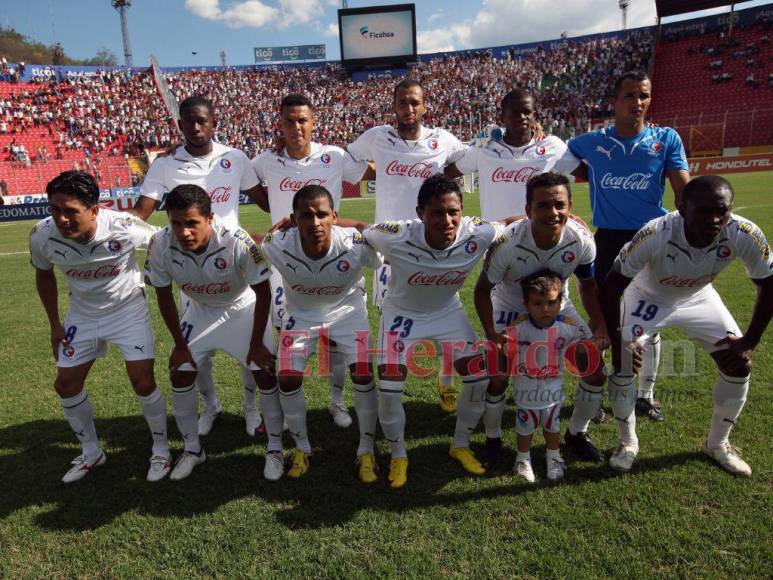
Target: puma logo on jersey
[(292, 267), (178, 262), (139, 347), (418, 258), (607, 152), (392, 141), (522, 259), (672, 256), (63, 254)]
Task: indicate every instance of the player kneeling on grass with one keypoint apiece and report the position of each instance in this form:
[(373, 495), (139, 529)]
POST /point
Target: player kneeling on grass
[(321, 265), (226, 278), (540, 340), (431, 257), (664, 276), (94, 248)]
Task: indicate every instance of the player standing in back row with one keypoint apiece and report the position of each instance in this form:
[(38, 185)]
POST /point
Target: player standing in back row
[(405, 156)]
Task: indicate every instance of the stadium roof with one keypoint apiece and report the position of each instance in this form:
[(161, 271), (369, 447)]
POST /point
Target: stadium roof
[(674, 7)]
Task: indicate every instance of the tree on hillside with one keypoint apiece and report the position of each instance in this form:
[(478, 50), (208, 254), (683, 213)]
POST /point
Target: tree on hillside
[(104, 57)]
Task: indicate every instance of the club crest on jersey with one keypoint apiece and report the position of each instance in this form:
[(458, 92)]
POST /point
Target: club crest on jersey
[(568, 257), (432, 143), (723, 252), (656, 147), (388, 227), (471, 247), (637, 330), (756, 235), (325, 159), (540, 150), (220, 263), (225, 164), (114, 246), (343, 266), (399, 346), (287, 341)]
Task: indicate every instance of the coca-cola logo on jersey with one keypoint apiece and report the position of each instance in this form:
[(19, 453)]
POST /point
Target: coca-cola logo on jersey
[(220, 194), (422, 169), (452, 278), (110, 271), (539, 373), (678, 282), (290, 184), (521, 175), (210, 289), (633, 182), (318, 290)]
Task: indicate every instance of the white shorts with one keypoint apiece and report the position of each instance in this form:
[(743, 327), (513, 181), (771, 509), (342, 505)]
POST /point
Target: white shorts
[(299, 339), (504, 316), (527, 420), (380, 282), (704, 319), (211, 328), (128, 328), (449, 333), (278, 301)]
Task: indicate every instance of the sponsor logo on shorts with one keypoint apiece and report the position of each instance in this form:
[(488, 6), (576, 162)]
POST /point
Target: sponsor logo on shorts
[(399, 346), (451, 278), (471, 247), (68, 351), (568, 257), (343, 266), (539, 373), (677, 282), (287, 341), (220, 263)]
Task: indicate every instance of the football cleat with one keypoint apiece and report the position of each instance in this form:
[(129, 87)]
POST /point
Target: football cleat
[(184, 465), (367, 470), (649, 408), (600, 416), (470, 463), (556, 469), (82, 466), (300, 464), (492, 452), (729, 459), (582, 446), (252, 422), (398, 472), (623, 457), (160, 466), (207, 419), (523, 469), (275, 466), (340, 415), (447, 397)]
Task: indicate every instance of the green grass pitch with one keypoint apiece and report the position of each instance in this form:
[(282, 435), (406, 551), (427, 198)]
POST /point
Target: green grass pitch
[(674, 515)]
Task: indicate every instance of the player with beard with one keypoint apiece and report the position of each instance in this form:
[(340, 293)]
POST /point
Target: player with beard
[(223, 172), (405, 156), (301, 162), (94, 248), (664, 277)]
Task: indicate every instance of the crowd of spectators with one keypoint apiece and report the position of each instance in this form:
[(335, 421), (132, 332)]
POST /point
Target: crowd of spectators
[(117, 113)]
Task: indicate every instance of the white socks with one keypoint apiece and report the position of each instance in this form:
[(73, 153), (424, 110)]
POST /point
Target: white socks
[(391, 415), (649, 368), (729, 399), (366, 407), (294, 409), (271, 409), (587, 400), (492, 416), (80, 415), (249, 402), (470, 407), (622, 393), (205, 381), (154, 409), (338, 377), (186, 414)]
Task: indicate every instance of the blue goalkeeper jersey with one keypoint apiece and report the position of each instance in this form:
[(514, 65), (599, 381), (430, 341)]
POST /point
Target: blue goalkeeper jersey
[(627, 176)]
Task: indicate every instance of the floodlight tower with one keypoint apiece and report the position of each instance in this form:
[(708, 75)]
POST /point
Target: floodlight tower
[(123, 6), (624, 10)]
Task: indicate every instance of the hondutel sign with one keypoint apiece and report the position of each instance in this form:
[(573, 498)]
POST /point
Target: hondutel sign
[(737, 164)]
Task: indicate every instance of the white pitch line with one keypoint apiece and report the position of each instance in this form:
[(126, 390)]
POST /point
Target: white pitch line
[(13, 253)]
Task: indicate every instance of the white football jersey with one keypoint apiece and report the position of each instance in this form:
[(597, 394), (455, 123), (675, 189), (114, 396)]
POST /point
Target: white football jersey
[(516, 255), (402, 166), (221, 275), (665, 266), (324, 289), (283, 176), (102, 273), (504, 170), (426, 281), (222, 174), (539, 381)]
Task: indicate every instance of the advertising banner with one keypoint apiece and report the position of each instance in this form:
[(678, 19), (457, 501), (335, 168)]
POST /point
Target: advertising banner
[(289, 53)]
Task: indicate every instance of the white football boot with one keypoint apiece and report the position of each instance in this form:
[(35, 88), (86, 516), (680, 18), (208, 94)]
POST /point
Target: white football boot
[(82, 466)]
